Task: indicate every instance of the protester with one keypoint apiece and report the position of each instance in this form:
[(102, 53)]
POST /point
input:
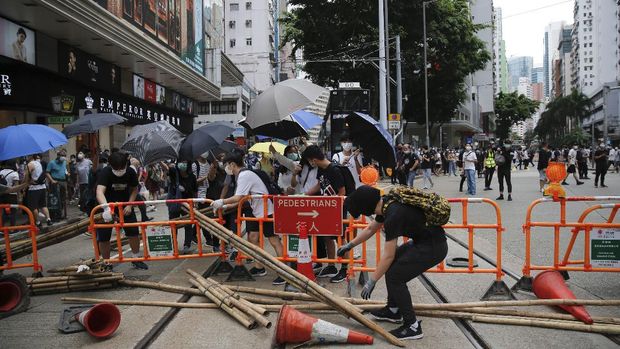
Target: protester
[(469, 165), (182, 186), (572, 165), (399, 264), (57, 175), (204, 172), (582, 163), (118, 183), (504, 165), (452, 162), (248, 182), (288, 179), (83, 167), (489, 167), (543, 162), (36, 196), (410, 164), (602, 164), (136, 166), (427, 167), (9, 177), (350, 158)]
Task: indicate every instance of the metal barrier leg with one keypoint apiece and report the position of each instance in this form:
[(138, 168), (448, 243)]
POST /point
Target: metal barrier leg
[(524, 284), (240, 273), (219, 266), (498, 291)]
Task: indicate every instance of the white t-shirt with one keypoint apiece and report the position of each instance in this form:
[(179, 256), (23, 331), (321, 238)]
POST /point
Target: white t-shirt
[(572, 156), (469, 160), (248, 183), (34, 176), (11, 177), (285, 180), (341, 158), (204, 171), (307, 179)]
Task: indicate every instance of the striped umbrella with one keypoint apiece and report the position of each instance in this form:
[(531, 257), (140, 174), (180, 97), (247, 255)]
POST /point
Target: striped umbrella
[(153, 147), (149, 128)]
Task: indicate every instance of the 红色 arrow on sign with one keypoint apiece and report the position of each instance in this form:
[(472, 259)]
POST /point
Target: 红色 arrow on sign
[(312, 214)]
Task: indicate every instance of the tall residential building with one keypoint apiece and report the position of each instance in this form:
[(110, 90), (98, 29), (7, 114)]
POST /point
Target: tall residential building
[(550, 42), (538, 75), (519, 67), (525, 87), (538, 91), (596, 51), (499, 54), (503, 81), (562, 84)]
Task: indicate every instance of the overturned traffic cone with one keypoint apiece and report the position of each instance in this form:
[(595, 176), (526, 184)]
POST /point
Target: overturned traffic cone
[(304, 256), (297, 327), (14, 296), (100, 321), (550, 285)]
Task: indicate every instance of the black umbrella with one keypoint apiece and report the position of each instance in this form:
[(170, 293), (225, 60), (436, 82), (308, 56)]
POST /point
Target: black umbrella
[(286, 129), (204, 139), (91, 123), (153, 147), (374, 140)]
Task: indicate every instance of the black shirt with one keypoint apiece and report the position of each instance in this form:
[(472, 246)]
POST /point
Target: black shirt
[(405, 220), (543, 159), (188, 182), (330, 180), (602, 161), (426, 160), (408, 160), (117, 189), (508, 154)]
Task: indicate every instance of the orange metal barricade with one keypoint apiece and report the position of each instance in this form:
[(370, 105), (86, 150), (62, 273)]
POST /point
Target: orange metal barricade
[(8, 262), (565, 265), (120, 224)]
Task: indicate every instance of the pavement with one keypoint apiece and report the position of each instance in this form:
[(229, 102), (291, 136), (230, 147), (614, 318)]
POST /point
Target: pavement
[(194, 328)]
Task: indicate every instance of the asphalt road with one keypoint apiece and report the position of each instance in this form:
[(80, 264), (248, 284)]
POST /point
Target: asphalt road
[(193, 328)]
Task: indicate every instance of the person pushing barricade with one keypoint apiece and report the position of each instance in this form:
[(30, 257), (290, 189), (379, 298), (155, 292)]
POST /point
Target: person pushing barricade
[(406, 212)]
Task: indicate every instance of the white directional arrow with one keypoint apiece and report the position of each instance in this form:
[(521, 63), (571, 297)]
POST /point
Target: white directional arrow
[(312, 214)]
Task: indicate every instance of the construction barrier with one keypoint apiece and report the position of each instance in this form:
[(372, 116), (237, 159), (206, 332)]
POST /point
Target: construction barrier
[(6, 257), (158, 243), (565, 264)]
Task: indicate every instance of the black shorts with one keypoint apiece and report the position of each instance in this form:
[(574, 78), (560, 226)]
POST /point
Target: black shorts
[(571, 169), (36, 199), (255, 226), (104, 234)]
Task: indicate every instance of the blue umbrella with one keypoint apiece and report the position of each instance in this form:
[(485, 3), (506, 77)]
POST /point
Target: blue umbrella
[(28, 139), (375, 141), (306, 119)]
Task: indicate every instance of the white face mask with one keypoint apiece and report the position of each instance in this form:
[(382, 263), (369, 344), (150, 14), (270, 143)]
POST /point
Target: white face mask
[(228, 170), (602, 145), (467, 148), (346, 146), (575, 147), (119, 173)]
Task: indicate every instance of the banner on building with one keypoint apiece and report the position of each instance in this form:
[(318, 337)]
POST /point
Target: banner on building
[(17, 42)]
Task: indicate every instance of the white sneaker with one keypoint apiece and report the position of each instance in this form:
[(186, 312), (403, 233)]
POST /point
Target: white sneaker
[(357, 252)]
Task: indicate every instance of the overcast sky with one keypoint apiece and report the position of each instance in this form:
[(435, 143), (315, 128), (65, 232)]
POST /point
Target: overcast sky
[(524, 23)]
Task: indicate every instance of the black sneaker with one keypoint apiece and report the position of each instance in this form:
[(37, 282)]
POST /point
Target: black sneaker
[(340, 277), (278, 281), (579, 183), (501, 197), (49, 223), (603, 186), (316, 267), (328, 271), (509, 197), (406, 332), (140, 265), (385, 314), (564, 183), (258, 272), (108, 267)]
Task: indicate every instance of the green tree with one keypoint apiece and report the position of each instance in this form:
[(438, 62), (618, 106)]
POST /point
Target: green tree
[(339, 39), (562, 112), (510, 109)]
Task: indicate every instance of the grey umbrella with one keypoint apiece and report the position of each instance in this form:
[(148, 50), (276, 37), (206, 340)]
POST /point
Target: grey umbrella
[(204, 139), (153, 147), (158, 126), (91, 123), (279, 101)]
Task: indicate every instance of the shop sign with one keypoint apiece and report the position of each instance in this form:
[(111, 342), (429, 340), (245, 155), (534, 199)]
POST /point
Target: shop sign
[(61, 119), (63, 103), (132, 111), (5, 84)]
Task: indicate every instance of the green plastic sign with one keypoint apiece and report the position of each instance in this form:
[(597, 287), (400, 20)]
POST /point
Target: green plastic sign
[(605, 248), (159, 241), (59, 119), (293, 245)]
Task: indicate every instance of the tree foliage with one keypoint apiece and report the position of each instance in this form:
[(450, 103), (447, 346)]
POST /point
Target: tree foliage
[(554, 121), (510, 109), (347, 30)]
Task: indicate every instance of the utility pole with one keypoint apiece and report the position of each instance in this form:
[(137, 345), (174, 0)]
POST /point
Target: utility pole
[(428, 137), (387, 57), (399, 87), (382, 70)]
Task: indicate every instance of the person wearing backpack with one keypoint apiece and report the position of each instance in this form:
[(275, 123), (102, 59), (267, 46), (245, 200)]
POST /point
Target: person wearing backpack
[(248, 182), (9, 178), (349, 158), (36, 198), (504, 165), (409, 213)]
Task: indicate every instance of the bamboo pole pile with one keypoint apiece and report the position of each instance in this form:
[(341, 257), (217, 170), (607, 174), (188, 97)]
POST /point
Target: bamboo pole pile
[(69, 279)]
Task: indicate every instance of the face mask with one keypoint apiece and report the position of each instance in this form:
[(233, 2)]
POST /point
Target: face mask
[(119, 173), (293, 156), (346, 146), (182, 167), (407, 151), (80, 157), (312, 164), (468, 148), (228, 170), (507, 146), (220, 165), (575, 147), (602, 145)]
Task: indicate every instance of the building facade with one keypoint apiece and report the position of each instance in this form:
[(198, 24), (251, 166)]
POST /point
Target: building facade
[(550, 42), (519, 67)]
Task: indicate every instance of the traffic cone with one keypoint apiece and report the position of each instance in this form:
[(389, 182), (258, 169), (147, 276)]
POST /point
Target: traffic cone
[(297, 327), (14, 297), (550, 285), (304, 256), (100, 321)]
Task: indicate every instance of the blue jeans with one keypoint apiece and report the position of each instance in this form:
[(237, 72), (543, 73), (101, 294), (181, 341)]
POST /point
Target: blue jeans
[(410, 178), (451, 168), (427, 173), (471, 181)]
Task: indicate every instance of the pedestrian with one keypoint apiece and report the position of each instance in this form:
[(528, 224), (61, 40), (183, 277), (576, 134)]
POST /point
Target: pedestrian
[(480, 162), (36, 196), (461, 170), (248, 182), (612, 158), (288, 179), (349, 158), (582, 163), (410, 164), (489, 167), (572, 165), (136, 166), (9, 178), (617, 160), (118, 183), (182, 186), (469, 165), (504, 165), (83, 168), (427, 167), (543, 162), (204, 172), (155, 180), (526, 158), (396, 170), (400, 264), (602, 164), (72, 184), (57, 175), (452, 162)]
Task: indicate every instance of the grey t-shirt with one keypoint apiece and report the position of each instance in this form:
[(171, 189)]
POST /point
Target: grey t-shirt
[(83, 168)]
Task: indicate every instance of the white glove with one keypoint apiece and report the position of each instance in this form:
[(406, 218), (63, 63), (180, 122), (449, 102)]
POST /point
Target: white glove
[(217, 204), (82, 268), (181, 188), (107, 214)]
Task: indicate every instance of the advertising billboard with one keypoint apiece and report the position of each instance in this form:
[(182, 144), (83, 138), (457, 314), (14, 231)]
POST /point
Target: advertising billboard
[(161, 94), (138, 86), (150, 94), (17, 42), (86, 68), (192, 51)]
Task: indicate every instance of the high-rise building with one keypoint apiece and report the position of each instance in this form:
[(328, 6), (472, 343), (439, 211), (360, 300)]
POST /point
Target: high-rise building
[(519, 67), (500, 72), (562, 84), (525, 87), (550, 42), (503, 81), (538, 91), (538, 75)]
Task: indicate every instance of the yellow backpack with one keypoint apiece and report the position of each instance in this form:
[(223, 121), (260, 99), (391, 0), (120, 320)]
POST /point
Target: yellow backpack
[(435, 207)]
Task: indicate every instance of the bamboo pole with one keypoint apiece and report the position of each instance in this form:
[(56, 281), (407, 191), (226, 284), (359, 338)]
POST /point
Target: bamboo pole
[(259, 309), (520, 303), (293, 277), (235, 313), (161, 287), (46, 279), (94, 286), (542, 315), (603, 329), (141, 303), (75, 282)]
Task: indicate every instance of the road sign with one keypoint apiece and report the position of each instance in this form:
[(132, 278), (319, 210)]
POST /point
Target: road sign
[(393, 125), (322, 215), (394, 117), (159, 241), (605, 248), (59, 119), (349, 85)]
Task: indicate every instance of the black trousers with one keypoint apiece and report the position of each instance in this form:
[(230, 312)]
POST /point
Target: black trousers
[(501, 176), (411, 260), (583, 169), (142, 208), (463, 179), (488, 176), (601, 171)]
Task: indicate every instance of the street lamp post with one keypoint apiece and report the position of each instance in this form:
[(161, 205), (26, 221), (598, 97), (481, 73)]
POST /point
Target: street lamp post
[(428, 137)]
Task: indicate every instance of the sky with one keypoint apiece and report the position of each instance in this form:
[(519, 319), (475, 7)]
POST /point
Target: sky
[(524, 23)]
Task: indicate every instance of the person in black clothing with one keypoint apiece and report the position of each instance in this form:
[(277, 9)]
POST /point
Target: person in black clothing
[(503, 170), (118, 183), (460, 165), (543, 161), (600, 159), (410, 164), (183, 186), (582, 163), (427, 166), (399, 264)]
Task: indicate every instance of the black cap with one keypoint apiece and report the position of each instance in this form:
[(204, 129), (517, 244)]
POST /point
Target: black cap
[(362, 201)]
